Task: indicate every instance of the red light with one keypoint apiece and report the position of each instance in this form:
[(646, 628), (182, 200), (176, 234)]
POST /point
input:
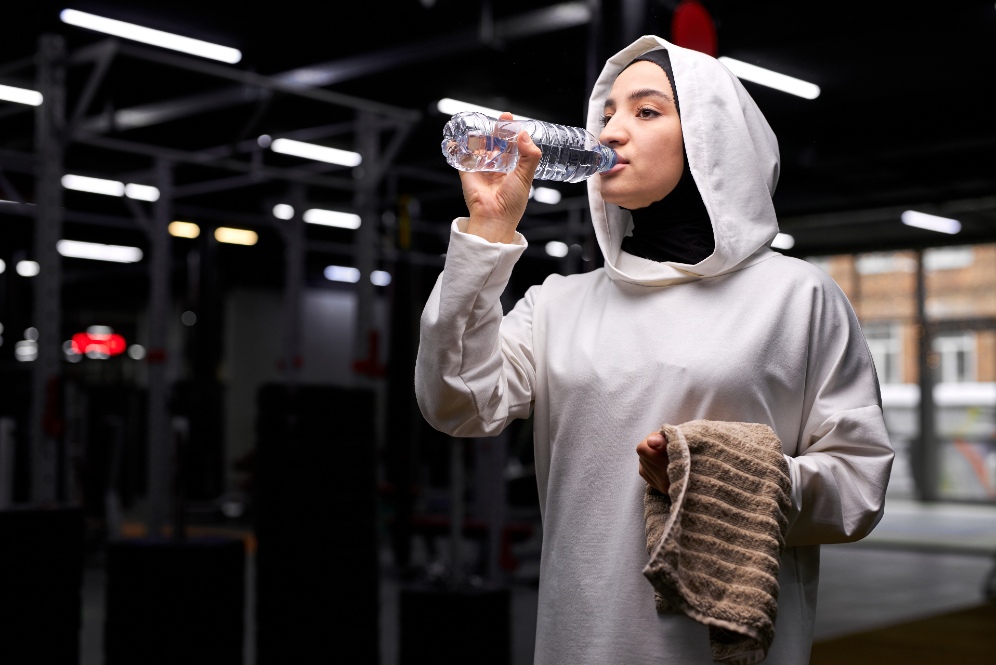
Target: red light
[(693, 27), (110, 345)]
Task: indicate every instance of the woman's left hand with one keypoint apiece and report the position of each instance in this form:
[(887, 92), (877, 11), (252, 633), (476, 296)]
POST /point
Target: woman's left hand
[(653, 461)]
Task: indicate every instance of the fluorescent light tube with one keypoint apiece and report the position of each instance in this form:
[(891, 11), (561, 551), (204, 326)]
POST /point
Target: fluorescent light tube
[(783, 241), (184, 229), (27, 268), (922, 220), (26, 351), (283, 211), (235, 236), (141, 192), (557, 249), (82, 183), (149, 36), (763, 76), (75, 249), (547, 195), (319, 153), (342, 220), (342, 274), (448, 106), (380, 278), (9, 93)]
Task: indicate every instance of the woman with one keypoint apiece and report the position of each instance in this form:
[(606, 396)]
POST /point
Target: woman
[(693, 316)]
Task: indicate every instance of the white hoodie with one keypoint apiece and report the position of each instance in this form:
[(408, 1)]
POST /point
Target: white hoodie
[(605, 357)]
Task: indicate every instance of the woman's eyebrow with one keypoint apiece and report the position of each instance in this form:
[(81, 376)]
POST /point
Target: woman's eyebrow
[(642, 93), (647, 92)]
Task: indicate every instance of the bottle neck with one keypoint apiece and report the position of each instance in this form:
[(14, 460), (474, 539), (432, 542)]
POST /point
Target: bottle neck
[(609, 158)]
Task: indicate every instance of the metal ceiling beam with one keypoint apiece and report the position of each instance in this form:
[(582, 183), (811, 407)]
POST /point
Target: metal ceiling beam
[(20, 162), (255, 87), (181, 156), (17, 65), (101, 63), (886, 213), (298, 81), (8, 190)]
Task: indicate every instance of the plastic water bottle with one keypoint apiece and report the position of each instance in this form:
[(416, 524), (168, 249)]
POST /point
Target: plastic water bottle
[(476, 142)]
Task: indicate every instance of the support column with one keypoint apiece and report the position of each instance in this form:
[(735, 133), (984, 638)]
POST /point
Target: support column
[(365, 202), (46, 416), (160, 469), (593, 51), (572, 236), (924, 453), (490, 459), (292, 232)]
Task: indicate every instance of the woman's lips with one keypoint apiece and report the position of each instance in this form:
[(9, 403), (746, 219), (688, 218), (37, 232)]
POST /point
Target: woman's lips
[(615, 169)]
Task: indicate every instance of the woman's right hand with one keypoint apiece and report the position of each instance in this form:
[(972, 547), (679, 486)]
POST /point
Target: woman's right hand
[(497, 201)]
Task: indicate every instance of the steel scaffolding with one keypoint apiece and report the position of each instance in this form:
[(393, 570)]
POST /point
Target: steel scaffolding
[(54, 134)]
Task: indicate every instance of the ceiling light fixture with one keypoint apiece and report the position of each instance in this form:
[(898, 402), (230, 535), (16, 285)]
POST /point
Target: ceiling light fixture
[(763, 76), (547, 195), (342, 274), (557, 249), (149, 36), (783, 241), (184, 229), (141, 192), (448, 106), (27, 268), (342, 220), (9, 93), (380, 278), (75, 249), (235, 236), (318, 153), (922, 220), (283, 211), (82, 183)]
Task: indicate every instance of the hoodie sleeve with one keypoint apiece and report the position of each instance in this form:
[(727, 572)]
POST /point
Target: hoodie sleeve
[(841, 469), (474, 372)]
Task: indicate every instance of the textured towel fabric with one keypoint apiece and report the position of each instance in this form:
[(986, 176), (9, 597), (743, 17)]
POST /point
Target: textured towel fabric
[(715, 539)]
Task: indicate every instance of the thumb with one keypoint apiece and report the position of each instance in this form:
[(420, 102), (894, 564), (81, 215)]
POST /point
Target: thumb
[(529, 157), (655, 441)]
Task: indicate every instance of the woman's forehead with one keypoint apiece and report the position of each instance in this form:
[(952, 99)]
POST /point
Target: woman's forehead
[(640, 76)]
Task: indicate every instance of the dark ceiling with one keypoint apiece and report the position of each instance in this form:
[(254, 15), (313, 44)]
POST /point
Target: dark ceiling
[(905, 118)]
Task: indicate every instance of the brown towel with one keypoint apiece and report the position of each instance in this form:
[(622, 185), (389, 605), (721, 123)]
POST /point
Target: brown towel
[(714, 541)]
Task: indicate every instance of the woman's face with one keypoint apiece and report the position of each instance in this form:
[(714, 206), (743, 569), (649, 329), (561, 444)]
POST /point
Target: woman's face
[(641, 124)]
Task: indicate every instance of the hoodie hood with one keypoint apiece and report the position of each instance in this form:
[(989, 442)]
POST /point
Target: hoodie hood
[(732, 155)]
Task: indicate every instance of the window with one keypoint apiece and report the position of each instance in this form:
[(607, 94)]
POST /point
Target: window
[(885, 342), (956, 357), (948, 258)]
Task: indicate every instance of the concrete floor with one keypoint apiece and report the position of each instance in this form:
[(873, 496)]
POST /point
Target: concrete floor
[(921, 560)]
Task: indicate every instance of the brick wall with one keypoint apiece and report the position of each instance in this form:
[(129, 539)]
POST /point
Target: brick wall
[(961, 283)]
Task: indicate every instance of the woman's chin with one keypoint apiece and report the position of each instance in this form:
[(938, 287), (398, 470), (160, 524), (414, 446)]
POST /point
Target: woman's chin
[(609, 195), (627, 202)]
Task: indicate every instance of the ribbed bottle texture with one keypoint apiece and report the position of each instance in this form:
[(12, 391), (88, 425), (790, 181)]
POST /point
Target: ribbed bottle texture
[(476, 142)]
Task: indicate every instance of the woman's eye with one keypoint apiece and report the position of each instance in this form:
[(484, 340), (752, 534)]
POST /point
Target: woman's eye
[(647, 113), (605, 120)]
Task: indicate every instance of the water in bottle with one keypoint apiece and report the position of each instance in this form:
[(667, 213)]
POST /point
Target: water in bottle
[(476, 142)]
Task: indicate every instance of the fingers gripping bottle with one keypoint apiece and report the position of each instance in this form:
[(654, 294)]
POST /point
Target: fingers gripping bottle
[(476, 142)]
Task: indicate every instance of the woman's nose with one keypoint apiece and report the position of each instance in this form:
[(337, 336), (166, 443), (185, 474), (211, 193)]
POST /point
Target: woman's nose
[(612, 133)]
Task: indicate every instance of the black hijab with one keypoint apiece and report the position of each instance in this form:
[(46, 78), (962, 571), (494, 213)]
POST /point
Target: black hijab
[(676, 228)]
